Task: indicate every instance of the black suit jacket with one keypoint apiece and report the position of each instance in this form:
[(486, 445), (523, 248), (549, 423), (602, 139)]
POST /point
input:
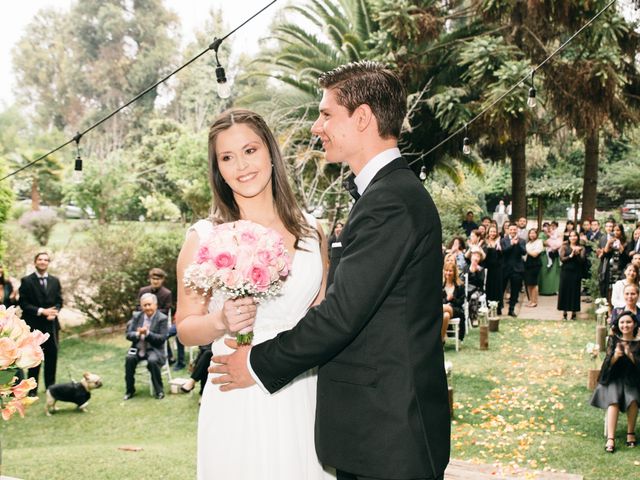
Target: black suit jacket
[(512, 256), (34, 296), (382, 408), (155, 339)]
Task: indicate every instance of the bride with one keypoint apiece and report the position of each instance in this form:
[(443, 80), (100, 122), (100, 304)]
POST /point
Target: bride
[(249, 434)]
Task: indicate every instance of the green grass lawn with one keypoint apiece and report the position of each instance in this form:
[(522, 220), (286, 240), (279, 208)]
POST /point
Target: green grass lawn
[(75, 445), (524, 402)]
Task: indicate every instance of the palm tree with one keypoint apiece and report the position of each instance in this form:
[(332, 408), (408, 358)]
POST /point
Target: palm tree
[(46, 170)]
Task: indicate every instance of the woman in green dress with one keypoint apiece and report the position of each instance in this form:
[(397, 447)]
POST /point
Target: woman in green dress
[(549, 280)]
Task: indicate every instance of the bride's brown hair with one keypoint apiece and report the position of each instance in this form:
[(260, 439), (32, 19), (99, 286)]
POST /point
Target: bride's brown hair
[(225, 209)]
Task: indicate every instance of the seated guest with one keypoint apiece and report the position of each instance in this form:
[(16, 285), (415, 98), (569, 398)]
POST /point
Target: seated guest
[(456, 250), (532, 265), (147, 332), (200, 372), (630, 295), (476, 283), (630, 276), (452, 297), (157, 277), (475, 244), (619, 380)]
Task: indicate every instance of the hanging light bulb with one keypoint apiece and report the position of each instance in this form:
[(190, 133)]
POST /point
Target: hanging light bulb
[(77, 169), (224, 89), (466, 143), (531, 101), (423, 173)]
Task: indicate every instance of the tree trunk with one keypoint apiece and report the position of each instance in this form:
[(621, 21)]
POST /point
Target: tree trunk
[(102, 215), (35, 195), (517, 152), (590, 184)]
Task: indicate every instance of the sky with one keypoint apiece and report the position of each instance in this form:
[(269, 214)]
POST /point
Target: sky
[(15, 16)]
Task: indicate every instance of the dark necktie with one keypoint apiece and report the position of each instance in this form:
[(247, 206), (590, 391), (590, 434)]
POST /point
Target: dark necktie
[(351, 187), (43, 282)]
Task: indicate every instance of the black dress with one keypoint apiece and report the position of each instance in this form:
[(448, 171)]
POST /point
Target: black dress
[(457, 305), (618, 383), (532, 266), (493, 265), (570, 280), (475, 291)]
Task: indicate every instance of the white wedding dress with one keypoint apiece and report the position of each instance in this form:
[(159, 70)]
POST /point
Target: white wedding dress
[(249, 434)]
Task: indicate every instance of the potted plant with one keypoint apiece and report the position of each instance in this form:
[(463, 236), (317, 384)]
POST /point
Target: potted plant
[(494, 319)]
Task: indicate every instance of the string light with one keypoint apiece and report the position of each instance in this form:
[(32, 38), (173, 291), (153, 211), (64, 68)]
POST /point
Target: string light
[(423, 173), (77, 169), (531, 101), (224, 89), (466, 143)]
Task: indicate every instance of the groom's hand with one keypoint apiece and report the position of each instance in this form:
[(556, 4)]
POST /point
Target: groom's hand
[(232, 368)]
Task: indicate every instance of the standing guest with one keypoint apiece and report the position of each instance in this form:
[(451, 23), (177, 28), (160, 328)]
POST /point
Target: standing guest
[(549, 280), (468, 223), (532, 266), (482, 231), (335, 234), (452, 298), (613, 258), (147, 332), (513, 248), (6, 290), (569, 227), (493, 265), (40, 301), (476, 277), (604, 267), (485, 222), (630, 295), (522, 228), (635, 260), (617, 291), (505, 229), (594, 234), (633, 246), (157, 277), (619, 380), (572, 258), (500, 208), (585, 227)]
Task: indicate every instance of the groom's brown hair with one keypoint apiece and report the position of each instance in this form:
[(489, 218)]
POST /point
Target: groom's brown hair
[(373, 84)]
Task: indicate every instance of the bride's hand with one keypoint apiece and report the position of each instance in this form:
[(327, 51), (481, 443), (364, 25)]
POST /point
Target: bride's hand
[(239, 314)]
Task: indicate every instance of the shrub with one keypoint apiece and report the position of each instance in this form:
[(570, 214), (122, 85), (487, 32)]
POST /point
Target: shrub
[(116, 262), (39, 223), (453, 203), (160, 207)]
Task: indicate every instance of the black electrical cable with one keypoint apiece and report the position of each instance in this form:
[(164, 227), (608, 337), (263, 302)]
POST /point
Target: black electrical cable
[(214, 46)]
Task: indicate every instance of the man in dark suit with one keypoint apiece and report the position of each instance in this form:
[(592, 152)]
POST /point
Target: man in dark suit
[(147, 332), (40, 301), (513, 248), (157, 276), (382, 407)]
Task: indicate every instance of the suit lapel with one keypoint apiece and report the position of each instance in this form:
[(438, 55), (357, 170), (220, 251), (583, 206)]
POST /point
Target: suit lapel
[(393, 165)]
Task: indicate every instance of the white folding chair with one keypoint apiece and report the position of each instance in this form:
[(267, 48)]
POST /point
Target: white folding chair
[(454, 333)]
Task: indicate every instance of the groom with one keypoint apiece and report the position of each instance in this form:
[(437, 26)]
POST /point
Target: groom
[(382, 409)]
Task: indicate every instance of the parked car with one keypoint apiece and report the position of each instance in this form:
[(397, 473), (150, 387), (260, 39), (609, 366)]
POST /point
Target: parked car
[(71, 210), (630, 210)]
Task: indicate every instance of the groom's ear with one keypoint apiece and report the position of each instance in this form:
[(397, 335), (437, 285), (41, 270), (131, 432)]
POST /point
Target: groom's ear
[(364, 117)]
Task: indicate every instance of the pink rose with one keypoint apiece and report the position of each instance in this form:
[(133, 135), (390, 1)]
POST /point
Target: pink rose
[(230, 278), (224, 260), (248, 237), (203, 255), (8, 352), (259, 276), (265, 257)]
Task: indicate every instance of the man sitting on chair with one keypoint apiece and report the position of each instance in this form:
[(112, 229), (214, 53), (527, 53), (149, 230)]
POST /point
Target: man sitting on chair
[(147, 332)]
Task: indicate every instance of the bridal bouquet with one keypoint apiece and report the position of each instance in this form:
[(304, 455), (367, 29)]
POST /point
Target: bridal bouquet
[(240, 259), (19, 348)]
